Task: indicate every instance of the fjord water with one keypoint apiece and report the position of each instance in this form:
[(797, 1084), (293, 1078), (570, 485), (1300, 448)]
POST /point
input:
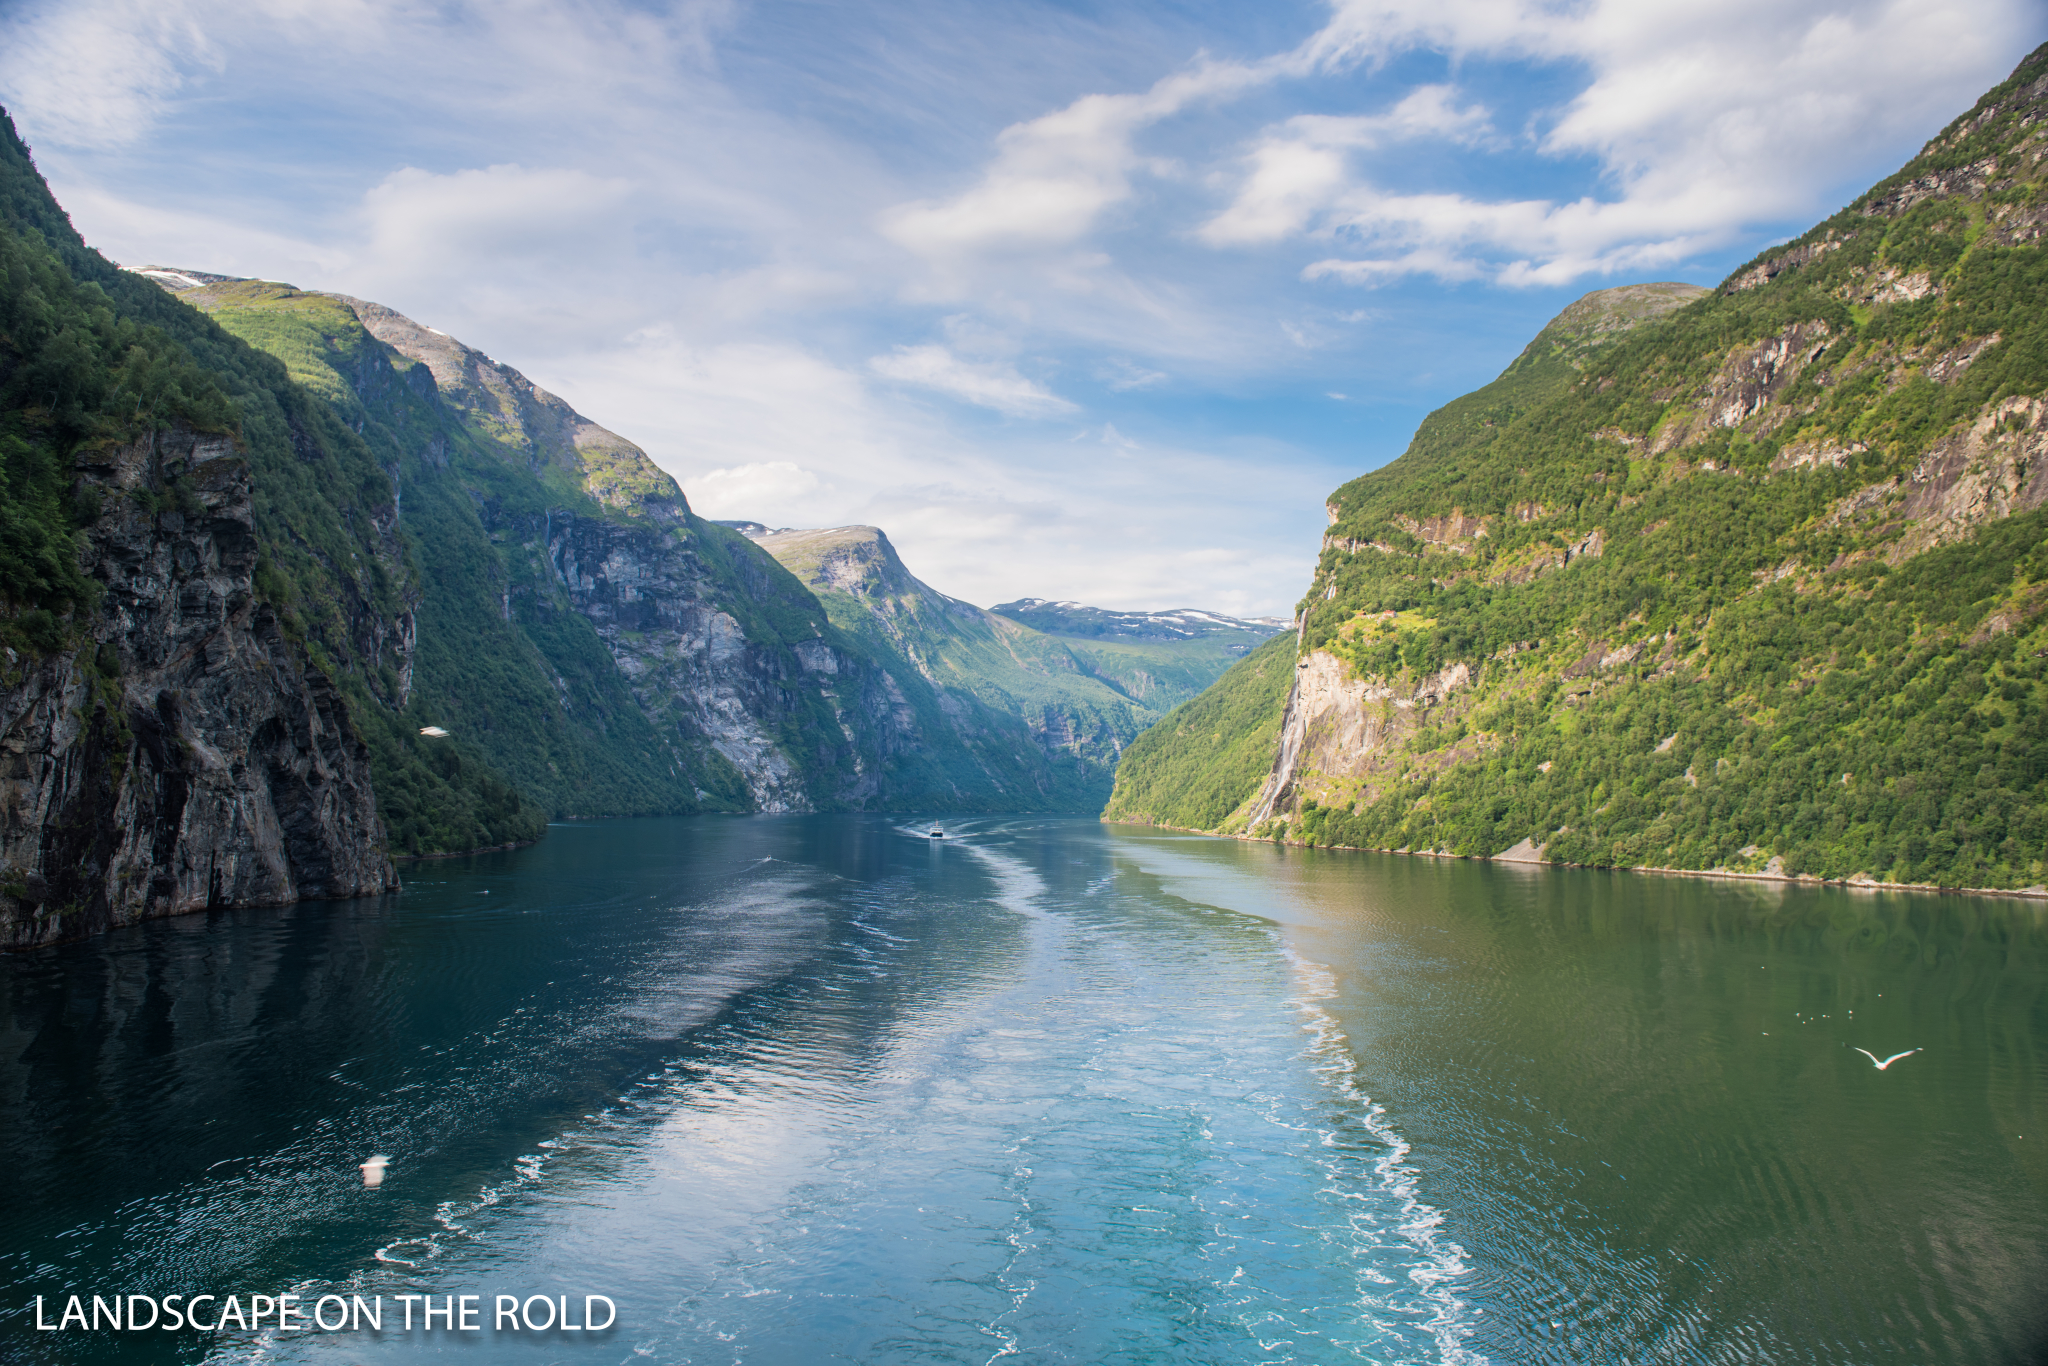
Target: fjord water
[(802, 1089)]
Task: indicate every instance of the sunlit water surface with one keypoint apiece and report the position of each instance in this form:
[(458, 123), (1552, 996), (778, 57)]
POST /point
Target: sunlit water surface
[(806, 1089)]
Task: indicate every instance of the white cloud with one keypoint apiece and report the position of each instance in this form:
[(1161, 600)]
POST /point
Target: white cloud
[(1106, 435), (1708, 116), (495, 211), (759, 246), (1053, 176), (1442, 262), (1705, 118), (101, 73), (976, 337), (783, 436), (137, 234), (990, 383), (422, 231), (1299, 168), (744, 490), (99, 77), (1317, 330), (1124, 375), (1093, 548), (747, 413)]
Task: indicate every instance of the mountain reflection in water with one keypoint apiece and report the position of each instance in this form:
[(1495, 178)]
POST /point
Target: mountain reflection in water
[(795, 1089)]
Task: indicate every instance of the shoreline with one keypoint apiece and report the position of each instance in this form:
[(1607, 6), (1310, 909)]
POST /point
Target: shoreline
[(1856, 883), (465, 853)]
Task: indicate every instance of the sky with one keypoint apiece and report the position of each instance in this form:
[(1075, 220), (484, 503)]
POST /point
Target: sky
[(1074, 300)]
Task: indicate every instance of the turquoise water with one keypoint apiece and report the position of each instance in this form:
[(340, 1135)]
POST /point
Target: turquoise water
[(805, 1089)]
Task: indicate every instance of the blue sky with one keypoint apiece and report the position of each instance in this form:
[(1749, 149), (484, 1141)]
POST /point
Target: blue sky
[(1074, 300)]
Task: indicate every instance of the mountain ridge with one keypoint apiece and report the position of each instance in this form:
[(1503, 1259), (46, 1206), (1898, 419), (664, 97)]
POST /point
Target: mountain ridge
[(1069, 618), (210, 618), (740, 678), (988, 675), (961, 696), (1624, 605)]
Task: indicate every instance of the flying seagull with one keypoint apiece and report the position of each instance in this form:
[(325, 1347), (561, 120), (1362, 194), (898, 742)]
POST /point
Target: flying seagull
[(1888, 1061), (433, 732), (373, 1170)]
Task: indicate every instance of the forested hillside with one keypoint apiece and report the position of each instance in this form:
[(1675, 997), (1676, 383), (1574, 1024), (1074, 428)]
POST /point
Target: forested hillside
[(1756, 584), (502, 661), (607, 648), (1048, 711), (293, 584), (96, 360)]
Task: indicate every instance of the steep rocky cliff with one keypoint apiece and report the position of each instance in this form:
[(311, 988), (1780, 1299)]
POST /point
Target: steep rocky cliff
[(604, 646), (207, 609), (183, 754), (729, 659), (1744, 580)]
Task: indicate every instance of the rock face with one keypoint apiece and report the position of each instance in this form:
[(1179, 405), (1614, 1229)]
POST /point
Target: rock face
[(756, 686), (1996, 468), (615, 654), (189, 755), (806, 723), (722, 651), (501, 404), (1341, 733)]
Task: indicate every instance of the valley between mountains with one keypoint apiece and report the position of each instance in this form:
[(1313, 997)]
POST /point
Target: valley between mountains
[(300, 586), (1749, 579)]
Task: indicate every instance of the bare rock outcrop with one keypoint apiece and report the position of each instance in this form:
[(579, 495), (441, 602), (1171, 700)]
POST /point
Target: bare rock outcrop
[(1340, 728), (1996, 467), (1742, 392), (692, 664), (642, 579), (1771, 268), (188, 754)]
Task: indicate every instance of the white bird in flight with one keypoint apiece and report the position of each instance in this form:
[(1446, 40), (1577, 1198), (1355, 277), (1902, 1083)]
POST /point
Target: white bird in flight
[(373, 1170), (1888, 1061)]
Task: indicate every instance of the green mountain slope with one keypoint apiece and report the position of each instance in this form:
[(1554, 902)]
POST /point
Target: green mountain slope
[(1018, 701), (503, 660), (612, 652), (1755, 584), (97, 355), (1208, 766), (1157, 659), (1208, 757)]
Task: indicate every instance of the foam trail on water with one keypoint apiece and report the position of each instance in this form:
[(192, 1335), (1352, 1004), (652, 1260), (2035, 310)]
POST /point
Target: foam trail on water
[(1010, 1060), (1018, 888), (1328, 1057), (1421, 1224)]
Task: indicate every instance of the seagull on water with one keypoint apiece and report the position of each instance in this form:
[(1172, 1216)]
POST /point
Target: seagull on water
[(1888, 1061)]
